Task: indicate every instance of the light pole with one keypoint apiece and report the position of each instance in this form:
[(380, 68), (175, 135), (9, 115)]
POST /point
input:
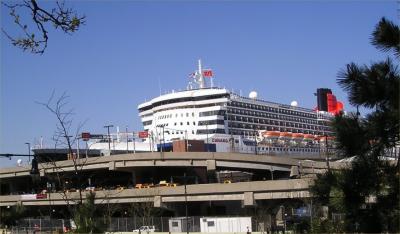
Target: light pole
[(163, 139), (109, 138), (127, 147), (187, 141), (327, 155), (29, 151), (77, 145), (255, 140), (207, 136), (134, 142), (186, 207), (285, 217), (272, 172), (185, 178)]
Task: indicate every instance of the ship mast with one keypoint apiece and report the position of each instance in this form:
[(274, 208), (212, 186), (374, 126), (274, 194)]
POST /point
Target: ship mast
[(197, 78), (200, 75)]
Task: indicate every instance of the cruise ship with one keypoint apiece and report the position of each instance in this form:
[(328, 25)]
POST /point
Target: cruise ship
[(225, 121), (235, 123)]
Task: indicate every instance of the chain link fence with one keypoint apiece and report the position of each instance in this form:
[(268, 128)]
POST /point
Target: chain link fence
[(129, 224)]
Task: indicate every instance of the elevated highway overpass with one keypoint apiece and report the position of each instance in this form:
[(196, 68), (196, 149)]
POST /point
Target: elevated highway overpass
[(246, 192), (208, 160)]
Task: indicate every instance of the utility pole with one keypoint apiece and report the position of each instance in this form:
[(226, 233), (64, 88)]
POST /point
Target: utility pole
[(134, 143), (109, 138), (127, 139), (187, 141), (272, 172), (255, 140), (207, 136), (150, 137), (185, 180), (186, 205), (77, 145), (29, 151), (163, 139), (326, 153), (311, 214)]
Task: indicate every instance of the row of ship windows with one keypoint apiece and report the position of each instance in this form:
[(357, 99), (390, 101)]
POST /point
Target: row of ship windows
[(200, 123), (272, 128), (211, 113), (200, 131), (201, 114), (252, 132), (173, 132), (288, 149), (269, 115), (270, 109), (175, 124), (176, 115), (274, 122)]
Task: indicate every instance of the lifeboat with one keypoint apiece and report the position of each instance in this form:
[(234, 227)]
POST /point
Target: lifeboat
[(297, 136), (308, 137), (322, 139), (271, 134), (285, 135)]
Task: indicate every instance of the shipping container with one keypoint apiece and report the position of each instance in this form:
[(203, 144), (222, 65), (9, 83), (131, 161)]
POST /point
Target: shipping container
[(228, 224), (188, 146)]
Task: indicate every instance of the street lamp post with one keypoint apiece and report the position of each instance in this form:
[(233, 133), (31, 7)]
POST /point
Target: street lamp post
[(77, 145), (134, 142), (185, 178), (163, 137), (187, 141), (186, 207), (127, 140), (255, 140), (109, 138), (29, 151), (326, 152), (272, 173), (285, 217), (207, 136)]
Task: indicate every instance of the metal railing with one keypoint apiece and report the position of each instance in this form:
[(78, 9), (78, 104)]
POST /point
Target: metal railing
[(129, 224)]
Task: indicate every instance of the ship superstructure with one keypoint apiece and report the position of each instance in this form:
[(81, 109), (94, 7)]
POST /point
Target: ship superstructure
[(231, 121)]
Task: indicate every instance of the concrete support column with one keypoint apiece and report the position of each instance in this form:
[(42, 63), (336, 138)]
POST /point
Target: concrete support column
[(158, 201), (294, 172), (211, 167), (248, 199), (111, 165)]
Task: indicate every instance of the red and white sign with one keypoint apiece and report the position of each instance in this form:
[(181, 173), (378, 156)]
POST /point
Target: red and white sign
[(207, 73), (143, 134), (85, 136), (41, 196)]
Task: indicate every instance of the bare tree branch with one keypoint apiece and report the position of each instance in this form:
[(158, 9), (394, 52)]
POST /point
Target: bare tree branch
[(62, 133), (60, 17)]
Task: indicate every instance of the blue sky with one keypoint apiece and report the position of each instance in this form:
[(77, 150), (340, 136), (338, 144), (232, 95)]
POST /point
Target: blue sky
[(129, 50)]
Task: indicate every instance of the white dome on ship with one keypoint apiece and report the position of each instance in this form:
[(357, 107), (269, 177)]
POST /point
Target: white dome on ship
[(253, 95), (294, 103)]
